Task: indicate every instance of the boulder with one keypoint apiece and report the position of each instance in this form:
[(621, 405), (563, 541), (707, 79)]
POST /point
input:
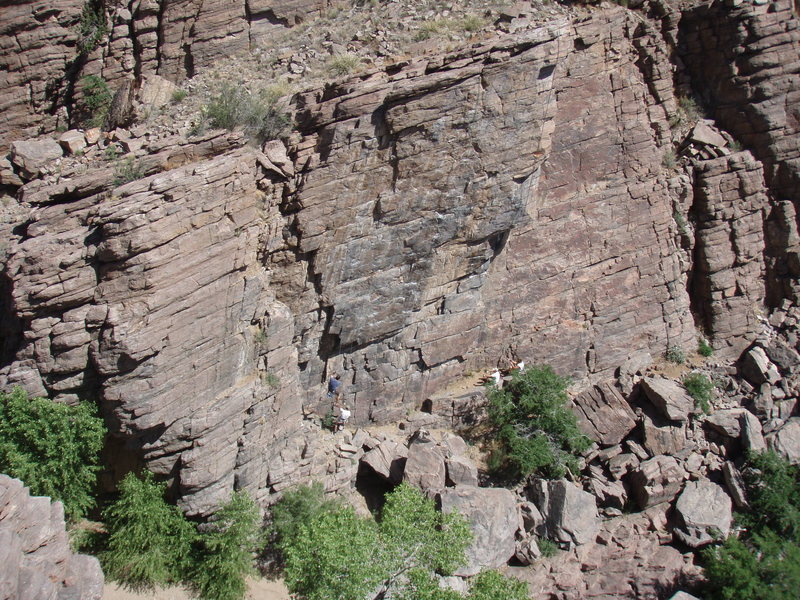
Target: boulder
[(703, 514), (570, 514), (726, 422), (387, 460), (656, 480), (669, 397), (461, 471), (735, 485), (492, 515), (704, 133), (72, 141), (527, 550), (667, 439), (30, 156), (786, 440), (425, 466), (782, 354), (620, 465), (752, 437), (610, 494), (603, 414), (532, 520), (35, 557), (757, 368)]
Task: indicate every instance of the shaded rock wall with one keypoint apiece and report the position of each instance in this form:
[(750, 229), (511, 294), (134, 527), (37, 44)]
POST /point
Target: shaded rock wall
[(744, 64)]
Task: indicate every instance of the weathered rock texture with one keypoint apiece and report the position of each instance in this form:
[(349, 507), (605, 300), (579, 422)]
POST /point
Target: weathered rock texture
[(41, 65), (36, 562), (447, 213), (754, 95)]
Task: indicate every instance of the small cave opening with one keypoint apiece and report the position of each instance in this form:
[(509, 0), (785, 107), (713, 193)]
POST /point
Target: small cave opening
[(372, 487)]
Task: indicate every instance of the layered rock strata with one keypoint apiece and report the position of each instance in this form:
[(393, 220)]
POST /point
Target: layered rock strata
[(37, 563), (444, 214)]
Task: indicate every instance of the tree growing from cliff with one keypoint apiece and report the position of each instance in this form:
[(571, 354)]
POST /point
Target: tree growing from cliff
[(53, 448), (536, 430)]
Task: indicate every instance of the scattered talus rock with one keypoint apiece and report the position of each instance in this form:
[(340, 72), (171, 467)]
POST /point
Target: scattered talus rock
[(628, 560), (656, 480), (703, 514), (604, 415), (36, 562), (669, 397)]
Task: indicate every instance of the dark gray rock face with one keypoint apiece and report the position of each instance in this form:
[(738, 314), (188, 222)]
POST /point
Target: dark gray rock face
[(36, 562)]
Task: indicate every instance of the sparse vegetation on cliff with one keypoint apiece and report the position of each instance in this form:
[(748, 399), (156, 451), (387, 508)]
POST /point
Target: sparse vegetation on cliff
[(92, 27), (536, 430), (254, 111), (97, 97), (53, 448)]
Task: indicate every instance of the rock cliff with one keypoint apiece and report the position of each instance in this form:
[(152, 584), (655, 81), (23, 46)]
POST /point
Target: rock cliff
[(511, 199), (545, 192)]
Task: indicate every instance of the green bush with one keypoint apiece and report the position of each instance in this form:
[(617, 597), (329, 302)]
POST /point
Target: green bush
[(149, 540), (179, 96), (764, 564), (342, 64), (492, 585), (301, 505), (226, 550), (127, 170), (537, 431), (547, 547), (256, 112), (53, 448), (97, 97), (92, 27), (704, 348), (773, 492), (675, 355), (701, 389), (335, 554)]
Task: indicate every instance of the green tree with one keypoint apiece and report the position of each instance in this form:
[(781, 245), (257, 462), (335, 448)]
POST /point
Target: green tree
[(773, 491), (414, 535), (298, 506), (336, 554), (537, 431), (764, 564), (53, 448), (150, 540), (226, 550)]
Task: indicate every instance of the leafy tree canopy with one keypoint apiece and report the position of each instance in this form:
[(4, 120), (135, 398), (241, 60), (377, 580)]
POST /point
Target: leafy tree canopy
[(537, 430), (53, 448)]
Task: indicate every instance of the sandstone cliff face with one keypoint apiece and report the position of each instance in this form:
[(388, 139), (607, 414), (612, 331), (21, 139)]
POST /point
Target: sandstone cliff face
[(448, 213), (41, 65), (37, 561)]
